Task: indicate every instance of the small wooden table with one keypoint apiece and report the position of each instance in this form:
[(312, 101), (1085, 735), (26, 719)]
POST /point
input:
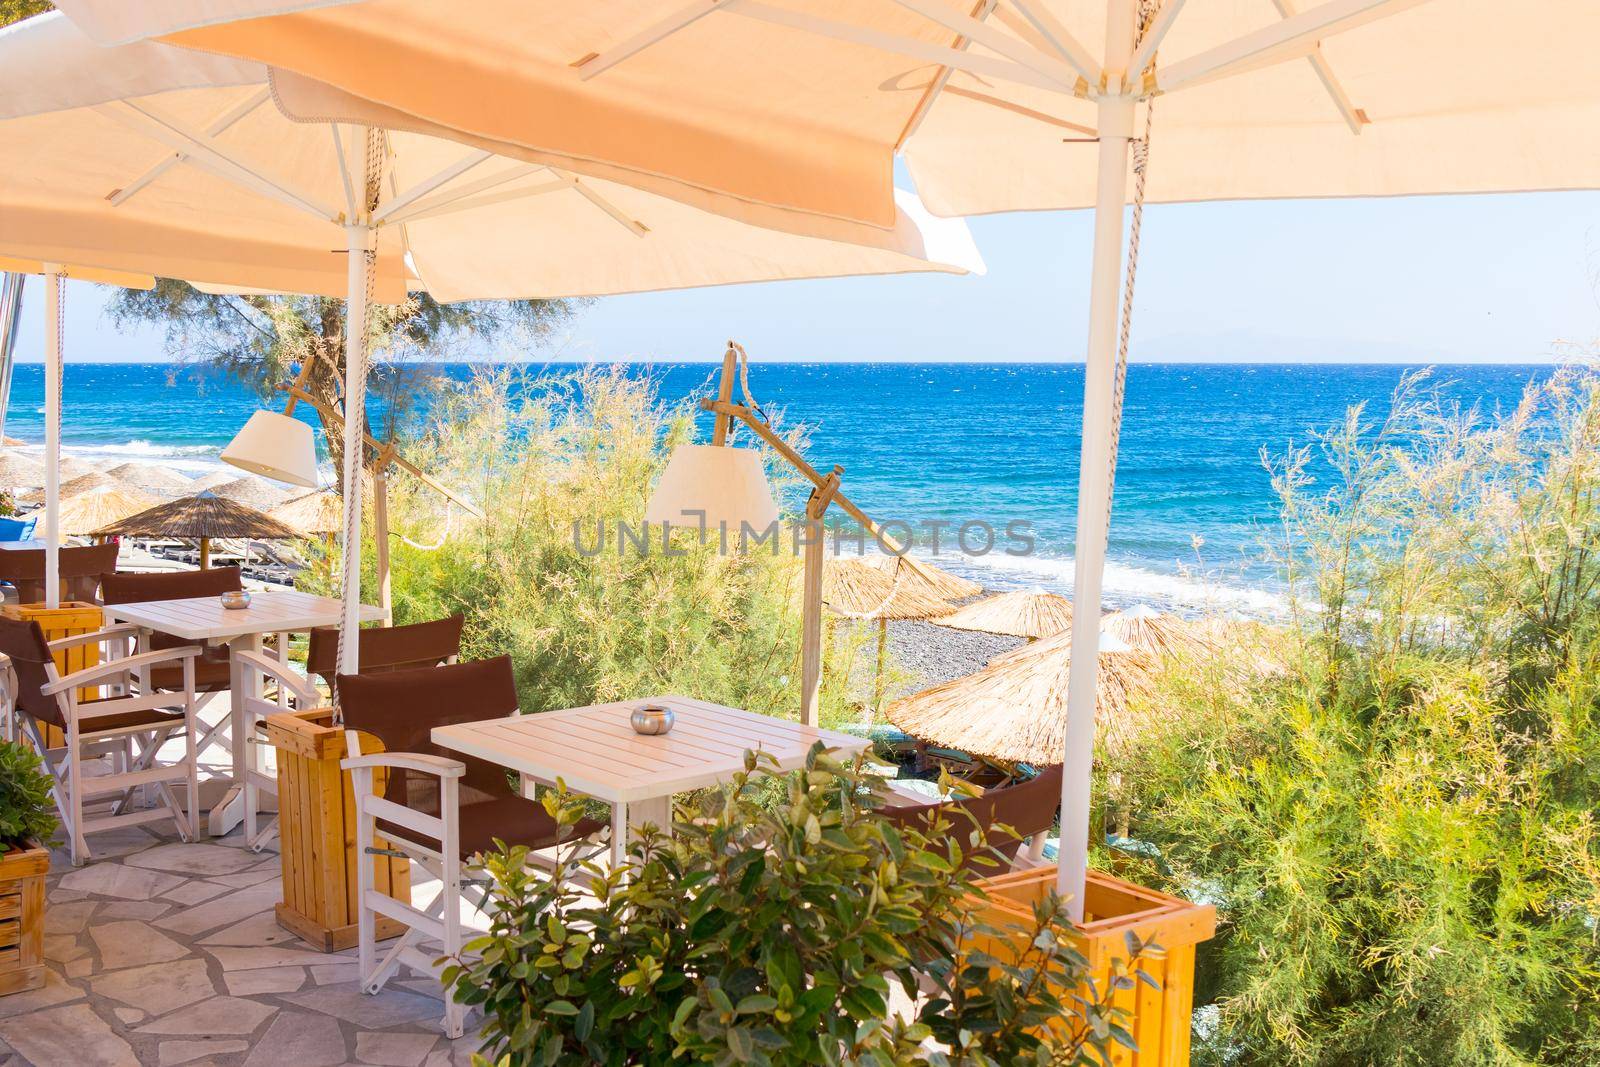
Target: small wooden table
[(204, 620), (594, 751)]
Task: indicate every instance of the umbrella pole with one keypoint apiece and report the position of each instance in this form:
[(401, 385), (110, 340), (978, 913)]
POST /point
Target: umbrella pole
[(54, 355), (811, 603), (360, 244), (1115, 125), (205, 553), (883, 654)]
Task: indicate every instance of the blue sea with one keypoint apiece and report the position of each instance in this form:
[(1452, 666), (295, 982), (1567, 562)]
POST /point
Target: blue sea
[(978, 445)]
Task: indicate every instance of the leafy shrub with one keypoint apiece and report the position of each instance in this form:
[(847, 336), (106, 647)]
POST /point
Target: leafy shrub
[(556, 462), (773, 935), (27, 813), (1399, 825)]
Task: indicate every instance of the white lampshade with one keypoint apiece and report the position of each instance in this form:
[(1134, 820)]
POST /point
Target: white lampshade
[(277, 446), (728, 484)]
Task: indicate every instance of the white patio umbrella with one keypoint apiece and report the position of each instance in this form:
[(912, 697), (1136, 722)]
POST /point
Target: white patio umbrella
[(163, 159), (766, 110)]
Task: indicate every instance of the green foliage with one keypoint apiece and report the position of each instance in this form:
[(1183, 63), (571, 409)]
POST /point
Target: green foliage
[(26, 810), (556, 462), (767, 934), (17, 10), (1399, 824), (259, 340)]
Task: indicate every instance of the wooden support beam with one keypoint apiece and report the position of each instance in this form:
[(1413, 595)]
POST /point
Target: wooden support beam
[(335, 417), (730, 367), (811, 606)]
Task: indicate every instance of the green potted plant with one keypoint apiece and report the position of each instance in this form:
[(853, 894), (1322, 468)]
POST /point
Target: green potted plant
[(27, 822), (773, 927)]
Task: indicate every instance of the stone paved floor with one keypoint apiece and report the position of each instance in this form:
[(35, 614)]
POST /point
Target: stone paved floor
[(167, 953)]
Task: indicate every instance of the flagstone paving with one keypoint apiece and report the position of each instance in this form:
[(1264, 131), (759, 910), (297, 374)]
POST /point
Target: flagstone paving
[(168, 953)]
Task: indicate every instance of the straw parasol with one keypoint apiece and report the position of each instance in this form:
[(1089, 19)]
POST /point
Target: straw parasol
[(18, 470), (74, 469), (251, 491), (1015, 709), (80, 484), (320, 512), (852, 589), (84, 513), (1030, 613), (202, 517), (923, 575), (151, 478), (1159, 633)]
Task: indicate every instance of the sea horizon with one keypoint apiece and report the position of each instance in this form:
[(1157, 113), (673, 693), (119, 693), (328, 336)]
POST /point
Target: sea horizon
[(943, 447)]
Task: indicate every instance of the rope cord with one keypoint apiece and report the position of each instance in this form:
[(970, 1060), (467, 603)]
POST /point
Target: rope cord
[(355, 400), (449, 526), (1141, 161), (744, 382)]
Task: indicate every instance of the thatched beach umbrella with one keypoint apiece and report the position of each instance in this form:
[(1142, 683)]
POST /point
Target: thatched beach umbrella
[(253, 492), (1030, 613), (923, 576), (320, 512), (18, 470), (73, 469), (152, 479), (80, 484), (213, 480), (1159, 633), (201, 517), (1015, 709), (854, 589), (84, 513)]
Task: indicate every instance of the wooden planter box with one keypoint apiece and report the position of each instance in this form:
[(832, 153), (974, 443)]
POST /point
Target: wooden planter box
[(1158, 1019), (22, 874), (72, 618), (317, 831)]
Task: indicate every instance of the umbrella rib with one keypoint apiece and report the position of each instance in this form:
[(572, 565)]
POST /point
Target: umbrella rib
[(633, 226), (1354, 117), (429, 184), (204, 152), (349, 187), (435, 205), (218, 125), (600, 62), (906, 46), (936, 87), (1055, 34), (1145, 54), (1291, 38)]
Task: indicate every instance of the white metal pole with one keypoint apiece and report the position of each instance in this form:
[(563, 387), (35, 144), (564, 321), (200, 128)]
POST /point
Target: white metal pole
[(359, 240), (54, 283), (1115, 121)]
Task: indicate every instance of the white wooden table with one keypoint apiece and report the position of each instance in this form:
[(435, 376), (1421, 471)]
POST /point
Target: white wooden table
[(594, 751), (204, 620)]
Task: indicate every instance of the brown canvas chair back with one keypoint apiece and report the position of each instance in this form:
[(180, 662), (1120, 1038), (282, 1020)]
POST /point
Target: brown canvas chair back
[(24, 644), (81, 569), (121, 587), (389, 648), (1025, 809), (400, 708)]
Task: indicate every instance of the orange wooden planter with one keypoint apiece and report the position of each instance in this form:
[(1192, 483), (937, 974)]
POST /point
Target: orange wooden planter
[(72, 618), (1158, 1019), (317, 832), (22, 874)]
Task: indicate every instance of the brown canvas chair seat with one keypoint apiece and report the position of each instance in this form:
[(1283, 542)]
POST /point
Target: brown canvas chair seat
[(211, 667), (387, 648), (116, 722), (81, 569), (1010, 815)]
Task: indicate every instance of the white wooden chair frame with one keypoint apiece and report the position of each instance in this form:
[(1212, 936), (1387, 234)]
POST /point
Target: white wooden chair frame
[(295, 691), (70, 787), (441, 919)]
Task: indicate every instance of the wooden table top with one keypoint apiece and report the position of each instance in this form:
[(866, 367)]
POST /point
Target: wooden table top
[(204, 618)]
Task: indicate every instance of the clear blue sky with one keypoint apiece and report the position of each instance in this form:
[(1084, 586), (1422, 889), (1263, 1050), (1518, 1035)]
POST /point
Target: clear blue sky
[(1424, 279)]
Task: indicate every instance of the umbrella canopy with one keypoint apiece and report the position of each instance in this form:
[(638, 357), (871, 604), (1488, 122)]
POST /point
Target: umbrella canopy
[(151, 478), (179, 163), (856, 591), (800, 106), (18, 470), (251, 491), (85, 513), (82, 483), (1159, 633), (204, 515), (923, 576), (74, 469), (212, 480), (320, 512), (1030, 613), (1015, 708)]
